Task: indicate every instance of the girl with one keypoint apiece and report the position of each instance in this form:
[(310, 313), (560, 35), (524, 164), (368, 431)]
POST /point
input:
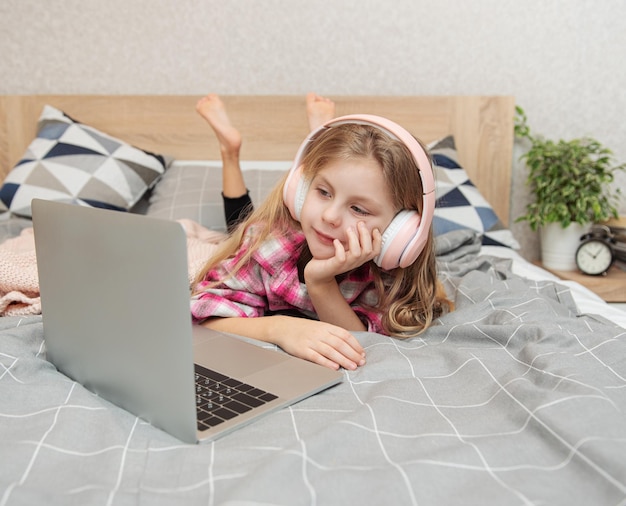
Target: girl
[(303, 272)]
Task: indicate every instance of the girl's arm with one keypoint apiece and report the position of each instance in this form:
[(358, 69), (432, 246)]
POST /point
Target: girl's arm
[(316, 341), (331, 307), (319, 276)]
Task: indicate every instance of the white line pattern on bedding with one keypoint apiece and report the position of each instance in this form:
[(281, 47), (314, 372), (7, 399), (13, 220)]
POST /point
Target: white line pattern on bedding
[(514, 398)]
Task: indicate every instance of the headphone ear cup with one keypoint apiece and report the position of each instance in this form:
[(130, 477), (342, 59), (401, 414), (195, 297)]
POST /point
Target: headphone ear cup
[(402, 241), (294, 192)]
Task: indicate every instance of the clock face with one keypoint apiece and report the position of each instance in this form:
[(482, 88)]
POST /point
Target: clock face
[(594, 257)]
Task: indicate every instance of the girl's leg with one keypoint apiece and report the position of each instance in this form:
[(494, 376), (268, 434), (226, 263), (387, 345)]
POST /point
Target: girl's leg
[(319, 110), (237, 203), (212, 109)]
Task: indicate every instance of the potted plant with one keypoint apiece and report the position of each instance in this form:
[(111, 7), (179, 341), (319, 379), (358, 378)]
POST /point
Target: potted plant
[(570, 182)]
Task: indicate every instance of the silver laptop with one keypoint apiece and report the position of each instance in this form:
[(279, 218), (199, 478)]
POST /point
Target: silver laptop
[(116, 316)]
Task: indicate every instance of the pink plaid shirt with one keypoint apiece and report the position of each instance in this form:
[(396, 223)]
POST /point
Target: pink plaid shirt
[(269, 283)]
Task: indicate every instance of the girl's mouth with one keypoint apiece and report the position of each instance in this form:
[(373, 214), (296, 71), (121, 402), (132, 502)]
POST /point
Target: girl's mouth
[(323, 238)]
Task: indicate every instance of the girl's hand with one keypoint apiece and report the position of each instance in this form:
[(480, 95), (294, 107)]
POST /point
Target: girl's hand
[(319, 342), (363, 246), (323, 343)]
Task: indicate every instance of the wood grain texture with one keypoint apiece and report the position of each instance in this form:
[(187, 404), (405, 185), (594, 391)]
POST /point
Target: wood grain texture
[(274, 126)]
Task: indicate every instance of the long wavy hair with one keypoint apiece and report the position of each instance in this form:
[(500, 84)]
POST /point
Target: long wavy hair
[(410, 298)]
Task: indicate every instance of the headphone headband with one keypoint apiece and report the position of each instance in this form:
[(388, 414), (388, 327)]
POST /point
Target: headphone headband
[(394, 252)]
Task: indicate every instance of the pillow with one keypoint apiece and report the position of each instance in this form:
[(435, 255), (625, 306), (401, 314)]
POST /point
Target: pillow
[(75, 163), (193, 190), (459, 204)]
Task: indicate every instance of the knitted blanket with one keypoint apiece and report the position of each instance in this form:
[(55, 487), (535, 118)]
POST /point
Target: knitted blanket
[(19, 281)]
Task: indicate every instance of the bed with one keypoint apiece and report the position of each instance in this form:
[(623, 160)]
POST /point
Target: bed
[(516, 397)]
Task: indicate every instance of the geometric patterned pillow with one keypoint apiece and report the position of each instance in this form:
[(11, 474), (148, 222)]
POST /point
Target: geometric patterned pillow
[(459, 204), (75, 163)]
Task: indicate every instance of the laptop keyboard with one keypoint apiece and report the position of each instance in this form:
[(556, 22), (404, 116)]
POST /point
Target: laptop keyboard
[(220, 398)]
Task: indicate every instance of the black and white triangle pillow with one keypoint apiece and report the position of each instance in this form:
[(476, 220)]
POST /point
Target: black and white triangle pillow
[(459, 204), (76, 163)]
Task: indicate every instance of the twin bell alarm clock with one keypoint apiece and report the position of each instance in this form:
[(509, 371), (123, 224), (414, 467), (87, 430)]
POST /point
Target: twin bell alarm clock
[(598, 250)]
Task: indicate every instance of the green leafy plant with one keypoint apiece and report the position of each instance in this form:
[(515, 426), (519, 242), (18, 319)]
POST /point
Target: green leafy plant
[(570, 180)]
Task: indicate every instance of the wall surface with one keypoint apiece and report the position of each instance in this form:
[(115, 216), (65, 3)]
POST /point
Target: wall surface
[(563, 60)]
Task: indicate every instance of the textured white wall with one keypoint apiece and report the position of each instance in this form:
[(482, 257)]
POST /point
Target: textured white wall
[(563, 60)]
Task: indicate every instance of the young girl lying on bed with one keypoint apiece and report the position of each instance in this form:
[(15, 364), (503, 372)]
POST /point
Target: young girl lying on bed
[(304, 269)]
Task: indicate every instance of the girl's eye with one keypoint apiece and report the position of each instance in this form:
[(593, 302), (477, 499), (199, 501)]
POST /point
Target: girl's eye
[(359, 211), (323, 192)]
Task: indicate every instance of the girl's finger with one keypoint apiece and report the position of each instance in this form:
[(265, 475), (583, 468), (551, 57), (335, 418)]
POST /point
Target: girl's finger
[(365, 239), (354, 244), (320, 359), (377, 242), (334, 355), (340, 251), (349, 347)]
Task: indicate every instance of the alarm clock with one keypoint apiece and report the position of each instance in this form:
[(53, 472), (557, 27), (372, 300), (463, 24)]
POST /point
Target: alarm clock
[(595, 255)]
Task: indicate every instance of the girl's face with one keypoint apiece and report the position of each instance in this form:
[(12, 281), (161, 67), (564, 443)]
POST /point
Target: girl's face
[(341, 195)]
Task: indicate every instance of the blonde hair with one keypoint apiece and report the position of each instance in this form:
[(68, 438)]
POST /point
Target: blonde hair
[(410, 298)]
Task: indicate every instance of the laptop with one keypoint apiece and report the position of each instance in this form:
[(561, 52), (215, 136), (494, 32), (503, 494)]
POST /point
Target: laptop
[(116, 317)]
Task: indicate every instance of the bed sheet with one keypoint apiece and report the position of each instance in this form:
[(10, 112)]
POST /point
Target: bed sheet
[(586, 300), (514, 398)]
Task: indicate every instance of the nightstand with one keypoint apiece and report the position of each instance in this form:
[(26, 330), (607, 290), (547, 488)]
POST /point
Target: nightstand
[(612, 287)]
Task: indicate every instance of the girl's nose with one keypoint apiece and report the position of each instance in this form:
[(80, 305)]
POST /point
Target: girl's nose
[(331, 214)]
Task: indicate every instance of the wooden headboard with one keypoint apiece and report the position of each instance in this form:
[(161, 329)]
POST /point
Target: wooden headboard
[(274, 126)]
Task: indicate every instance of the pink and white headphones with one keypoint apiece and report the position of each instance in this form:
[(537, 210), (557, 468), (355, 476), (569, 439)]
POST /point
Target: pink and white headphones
[(405, 237)]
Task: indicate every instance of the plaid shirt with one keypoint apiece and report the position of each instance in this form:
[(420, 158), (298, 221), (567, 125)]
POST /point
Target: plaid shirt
[(269, 283)]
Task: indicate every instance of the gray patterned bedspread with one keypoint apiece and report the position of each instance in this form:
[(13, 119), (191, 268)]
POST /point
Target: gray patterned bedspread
[(511, 399)]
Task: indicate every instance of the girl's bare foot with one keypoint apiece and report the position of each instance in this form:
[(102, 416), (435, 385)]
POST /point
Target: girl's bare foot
[(212, 109), (319, 110)]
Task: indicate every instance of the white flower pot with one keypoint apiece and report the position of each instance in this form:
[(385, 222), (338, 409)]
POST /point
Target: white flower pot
[(558, 245)]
